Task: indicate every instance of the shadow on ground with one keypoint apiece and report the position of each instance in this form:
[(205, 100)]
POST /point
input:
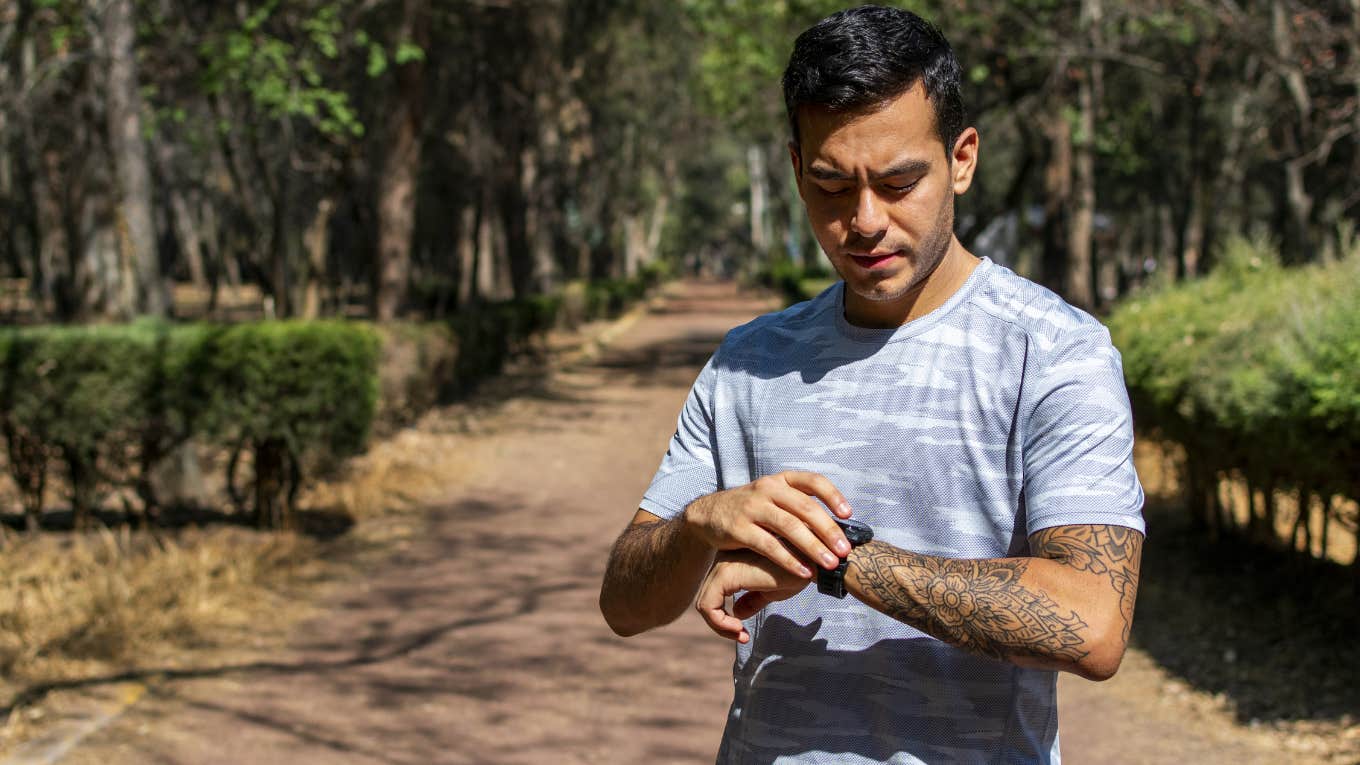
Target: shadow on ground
[(1274, 634), (376, 638), (672, 362)]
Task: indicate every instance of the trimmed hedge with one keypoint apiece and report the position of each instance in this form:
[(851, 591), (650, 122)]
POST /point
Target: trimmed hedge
[(110, 403), (793, 283), (1256, 371), (289, 391)]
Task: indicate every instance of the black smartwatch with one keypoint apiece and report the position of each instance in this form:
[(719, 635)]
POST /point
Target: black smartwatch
[(833, 582)]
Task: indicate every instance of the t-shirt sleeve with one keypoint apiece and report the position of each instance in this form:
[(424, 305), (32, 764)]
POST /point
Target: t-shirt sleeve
[(688, 470), (1078, 440)]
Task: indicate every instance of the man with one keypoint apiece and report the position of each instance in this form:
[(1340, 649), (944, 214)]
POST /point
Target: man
[(976, 423)]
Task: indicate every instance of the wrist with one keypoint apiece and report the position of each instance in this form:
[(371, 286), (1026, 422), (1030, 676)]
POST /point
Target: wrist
[(689, 530), (832, 582)]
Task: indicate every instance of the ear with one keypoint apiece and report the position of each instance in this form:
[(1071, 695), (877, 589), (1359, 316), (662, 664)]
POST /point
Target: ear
[(796, 157), (963, 160)]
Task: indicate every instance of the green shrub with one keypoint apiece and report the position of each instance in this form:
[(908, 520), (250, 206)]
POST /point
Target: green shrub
[(108, 402), (111, 402), (291, 391), (1254, 370), (795, 284)]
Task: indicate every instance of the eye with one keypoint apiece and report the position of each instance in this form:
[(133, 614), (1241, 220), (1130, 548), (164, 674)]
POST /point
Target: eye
[(901, 189), (833, 191)]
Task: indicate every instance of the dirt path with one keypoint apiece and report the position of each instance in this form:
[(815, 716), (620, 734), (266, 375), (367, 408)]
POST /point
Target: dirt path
[(479, 641)]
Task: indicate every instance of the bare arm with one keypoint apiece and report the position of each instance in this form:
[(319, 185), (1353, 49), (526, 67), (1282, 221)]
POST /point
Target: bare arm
[(656, 566), (1069, 608), (654, 570)]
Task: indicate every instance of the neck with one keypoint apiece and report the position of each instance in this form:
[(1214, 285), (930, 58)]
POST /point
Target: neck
[(937, 287)]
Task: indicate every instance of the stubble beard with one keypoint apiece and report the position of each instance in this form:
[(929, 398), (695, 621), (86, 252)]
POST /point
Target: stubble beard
[(924, 259)]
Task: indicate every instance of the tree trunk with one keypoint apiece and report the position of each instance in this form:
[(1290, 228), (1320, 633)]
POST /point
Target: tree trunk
[(397, 186), (514, 224), (660, 209), (466, 253), (1230, 210), (1079, 277), (493, 267), (271, 507), (1299, 201), (1057, 190), (27, 465), (137, 227), (759, 199), (316, 242), (187, 229)]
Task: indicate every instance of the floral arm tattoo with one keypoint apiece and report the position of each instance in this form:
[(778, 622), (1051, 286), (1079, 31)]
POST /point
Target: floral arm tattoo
[(1114, 552), (985, 606)]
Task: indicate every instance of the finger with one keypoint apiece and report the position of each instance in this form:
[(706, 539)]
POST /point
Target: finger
[(820, 487), (723, 624), (710, 607), (768, 545), (789, 525), (813, 517), (749, 605)]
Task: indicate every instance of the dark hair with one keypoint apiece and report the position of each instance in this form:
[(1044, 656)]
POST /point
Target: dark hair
[(864, 57)]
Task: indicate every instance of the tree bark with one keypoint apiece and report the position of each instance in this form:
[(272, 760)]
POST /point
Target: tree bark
[(1078, 279), (135, 221), (397, 186), (1057, 189), (466, 249), (183, 221), (759, 199), (316, 241), (1296, 195)]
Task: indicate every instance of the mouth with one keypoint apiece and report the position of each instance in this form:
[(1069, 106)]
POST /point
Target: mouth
[(875, 260)]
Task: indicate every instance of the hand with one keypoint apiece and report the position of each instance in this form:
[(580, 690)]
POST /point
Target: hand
[(756, 516), (732, 572)]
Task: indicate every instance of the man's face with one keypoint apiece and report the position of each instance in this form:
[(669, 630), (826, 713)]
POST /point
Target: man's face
[(879, 190)]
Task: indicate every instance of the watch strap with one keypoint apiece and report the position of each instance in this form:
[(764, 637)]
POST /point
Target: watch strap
[(832, 582)]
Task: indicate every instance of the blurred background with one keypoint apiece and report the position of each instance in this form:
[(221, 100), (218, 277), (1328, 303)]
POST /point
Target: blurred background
[(384, 158), (242, 242)]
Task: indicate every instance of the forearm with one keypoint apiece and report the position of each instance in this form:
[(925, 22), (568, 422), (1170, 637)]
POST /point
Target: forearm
[(1032, 612), (654, 571)]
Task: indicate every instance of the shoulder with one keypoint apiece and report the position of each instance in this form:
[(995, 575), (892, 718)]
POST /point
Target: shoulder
[(1056, 330), (773, 333)]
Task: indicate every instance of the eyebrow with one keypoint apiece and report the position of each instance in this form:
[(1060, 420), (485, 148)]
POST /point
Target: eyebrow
[(904, 167)]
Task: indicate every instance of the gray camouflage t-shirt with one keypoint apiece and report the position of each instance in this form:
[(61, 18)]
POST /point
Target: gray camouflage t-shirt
[(959, 434)]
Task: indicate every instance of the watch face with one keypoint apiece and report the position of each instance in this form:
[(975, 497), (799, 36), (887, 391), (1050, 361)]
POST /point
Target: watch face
[(857, 532)]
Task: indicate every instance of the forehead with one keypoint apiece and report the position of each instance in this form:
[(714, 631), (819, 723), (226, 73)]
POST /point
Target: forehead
[(904, 126)]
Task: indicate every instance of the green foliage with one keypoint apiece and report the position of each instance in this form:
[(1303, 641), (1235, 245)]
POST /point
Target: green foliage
[(794, 283), (283, 74), (745, 47), (311, 385), (1253, 368), (108, 401)]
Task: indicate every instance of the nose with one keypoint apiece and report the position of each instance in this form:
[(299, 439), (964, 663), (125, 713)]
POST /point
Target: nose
[(871, 218)]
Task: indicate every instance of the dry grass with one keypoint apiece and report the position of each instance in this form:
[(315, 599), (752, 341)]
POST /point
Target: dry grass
[(77, 605), (403, 472), (73, 605)]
